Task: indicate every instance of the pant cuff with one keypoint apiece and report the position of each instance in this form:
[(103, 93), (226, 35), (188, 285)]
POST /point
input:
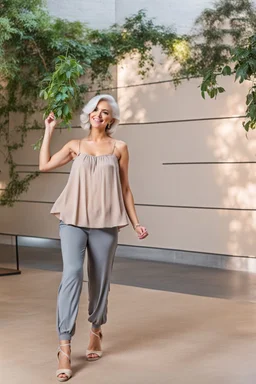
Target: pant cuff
[(65, 336), (94, 326)]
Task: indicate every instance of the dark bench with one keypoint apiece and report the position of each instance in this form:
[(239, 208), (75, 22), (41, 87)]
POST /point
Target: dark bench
[(9, 271)]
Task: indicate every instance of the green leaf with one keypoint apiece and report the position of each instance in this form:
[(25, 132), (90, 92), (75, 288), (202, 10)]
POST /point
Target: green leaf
[(38, 144), (249, 98), (204, 86), (64, 96), (211, 93), (226, 71), (71, 90), (241, 72), (221, 90), (59, 112), (66, 110), (58, 97), (252, 111)]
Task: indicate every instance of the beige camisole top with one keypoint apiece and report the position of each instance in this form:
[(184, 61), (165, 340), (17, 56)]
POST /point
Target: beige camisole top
[(93, 195)]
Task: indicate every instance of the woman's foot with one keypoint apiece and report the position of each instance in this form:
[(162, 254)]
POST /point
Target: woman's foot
[(94, 344), (64, 352)]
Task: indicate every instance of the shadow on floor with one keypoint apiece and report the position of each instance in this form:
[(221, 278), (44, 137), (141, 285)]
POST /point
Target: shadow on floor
[(180, 278)]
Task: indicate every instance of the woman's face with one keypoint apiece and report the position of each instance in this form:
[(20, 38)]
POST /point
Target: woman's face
[(102, 115)]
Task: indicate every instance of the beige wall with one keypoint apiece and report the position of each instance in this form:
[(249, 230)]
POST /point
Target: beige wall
[(95, 13), (202, 200)]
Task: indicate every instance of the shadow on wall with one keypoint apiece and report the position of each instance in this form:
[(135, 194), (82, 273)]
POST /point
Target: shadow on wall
[(228, 141), (208, 132), (3, 173)]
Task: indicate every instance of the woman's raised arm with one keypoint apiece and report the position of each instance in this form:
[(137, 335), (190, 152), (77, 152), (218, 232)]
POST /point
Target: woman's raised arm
[(66, 154)]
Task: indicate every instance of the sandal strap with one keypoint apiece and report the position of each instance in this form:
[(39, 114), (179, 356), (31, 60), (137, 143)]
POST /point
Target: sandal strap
[(64, 371), (64, 353), (99, 336), (92, 352)]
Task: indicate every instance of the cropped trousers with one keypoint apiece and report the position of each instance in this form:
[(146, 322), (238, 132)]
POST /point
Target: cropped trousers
[(101, 246)]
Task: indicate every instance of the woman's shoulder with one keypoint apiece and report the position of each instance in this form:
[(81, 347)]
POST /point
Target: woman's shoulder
[(73, 142), (73, 145), (121, 147), (120, 144)]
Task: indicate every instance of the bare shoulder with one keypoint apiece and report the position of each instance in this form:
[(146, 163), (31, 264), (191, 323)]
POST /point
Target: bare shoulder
[(73, 145), (72, 148), (121, 146)]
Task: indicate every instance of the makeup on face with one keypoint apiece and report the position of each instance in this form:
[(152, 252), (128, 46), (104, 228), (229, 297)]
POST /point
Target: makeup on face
[(101, 114)]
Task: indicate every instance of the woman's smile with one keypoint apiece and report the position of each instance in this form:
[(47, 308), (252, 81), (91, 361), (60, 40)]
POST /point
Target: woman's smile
[(97, 119)]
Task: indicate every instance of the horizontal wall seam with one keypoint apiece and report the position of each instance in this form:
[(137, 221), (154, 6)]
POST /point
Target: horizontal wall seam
[(185, 120), (159, 206), (171, 163), (143, 84), (194, 207), (210, 162), (139, 246), (177, 121), (165, 121), (48, 173), (186, 251)]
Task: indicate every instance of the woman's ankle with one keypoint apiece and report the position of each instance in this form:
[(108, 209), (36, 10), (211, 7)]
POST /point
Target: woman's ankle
[(96, 330)]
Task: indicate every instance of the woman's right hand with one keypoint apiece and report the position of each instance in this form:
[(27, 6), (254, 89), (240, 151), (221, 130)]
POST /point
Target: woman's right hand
[(50, 122)]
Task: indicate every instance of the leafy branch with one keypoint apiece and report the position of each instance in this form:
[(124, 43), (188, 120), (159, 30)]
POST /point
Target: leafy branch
[(31, 40), (62, 92), (34, 60), (224, 44), (244, 63)]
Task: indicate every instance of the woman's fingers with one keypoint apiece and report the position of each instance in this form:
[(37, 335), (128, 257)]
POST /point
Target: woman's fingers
[(50, 121), (142, 233), (51, 116)]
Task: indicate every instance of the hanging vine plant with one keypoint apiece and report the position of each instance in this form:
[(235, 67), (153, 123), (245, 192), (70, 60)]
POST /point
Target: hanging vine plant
[(225, 45), (34, 62), (62, 92)]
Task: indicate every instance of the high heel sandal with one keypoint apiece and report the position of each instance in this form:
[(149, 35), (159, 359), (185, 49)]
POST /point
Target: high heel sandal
[(90, 351), (63, 371)]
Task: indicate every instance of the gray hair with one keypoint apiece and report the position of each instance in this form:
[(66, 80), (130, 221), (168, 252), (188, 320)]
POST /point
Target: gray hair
[(91, 105)]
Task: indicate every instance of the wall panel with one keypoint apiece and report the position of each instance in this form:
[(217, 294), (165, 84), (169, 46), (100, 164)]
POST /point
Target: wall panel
[(214, 231)]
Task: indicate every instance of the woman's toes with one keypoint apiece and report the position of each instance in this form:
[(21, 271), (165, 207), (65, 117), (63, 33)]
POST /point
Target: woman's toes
[(92, 356)]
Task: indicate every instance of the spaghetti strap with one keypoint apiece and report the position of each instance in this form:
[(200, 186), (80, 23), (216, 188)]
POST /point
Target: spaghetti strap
[(79, 148), (113, 148)]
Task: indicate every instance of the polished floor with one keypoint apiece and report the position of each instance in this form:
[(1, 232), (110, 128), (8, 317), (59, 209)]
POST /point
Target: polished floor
[(210, 282), (176, 334)]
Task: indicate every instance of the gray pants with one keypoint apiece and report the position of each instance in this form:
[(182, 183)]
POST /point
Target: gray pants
[(101, 244)]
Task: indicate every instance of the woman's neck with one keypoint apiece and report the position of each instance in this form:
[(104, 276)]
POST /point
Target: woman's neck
[(97, 136)]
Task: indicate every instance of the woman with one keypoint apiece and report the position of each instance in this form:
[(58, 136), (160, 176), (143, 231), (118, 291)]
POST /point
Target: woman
[(92, 208)]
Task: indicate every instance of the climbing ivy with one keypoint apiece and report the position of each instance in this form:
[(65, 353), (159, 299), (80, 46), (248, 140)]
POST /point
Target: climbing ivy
[(42, 55), (224, 44)]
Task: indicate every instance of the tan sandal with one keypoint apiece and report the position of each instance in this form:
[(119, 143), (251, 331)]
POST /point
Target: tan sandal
[(63, 371), (90, 351)]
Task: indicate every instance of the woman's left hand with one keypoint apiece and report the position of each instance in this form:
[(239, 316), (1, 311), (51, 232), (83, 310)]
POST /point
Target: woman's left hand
[(141, 232)]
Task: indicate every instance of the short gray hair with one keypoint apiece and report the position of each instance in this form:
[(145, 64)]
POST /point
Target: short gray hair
[(91, 105)]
